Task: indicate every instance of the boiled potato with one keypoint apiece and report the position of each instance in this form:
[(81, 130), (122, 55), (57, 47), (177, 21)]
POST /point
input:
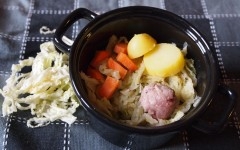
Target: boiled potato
[(164, 60), (140, 44)]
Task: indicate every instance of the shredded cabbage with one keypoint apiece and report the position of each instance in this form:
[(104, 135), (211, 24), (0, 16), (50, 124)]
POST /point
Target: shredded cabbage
[(45, 90)]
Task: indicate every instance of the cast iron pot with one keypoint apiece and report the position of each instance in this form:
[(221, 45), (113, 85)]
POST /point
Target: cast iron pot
[(164, 26)]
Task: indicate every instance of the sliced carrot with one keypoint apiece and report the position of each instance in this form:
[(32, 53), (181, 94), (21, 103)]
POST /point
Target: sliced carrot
[(126, 61), (120, 47), (112, 64), (99, 57), (94, 73), (108, 87)]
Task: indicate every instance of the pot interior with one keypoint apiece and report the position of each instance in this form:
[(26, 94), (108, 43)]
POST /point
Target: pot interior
[(164, 27)]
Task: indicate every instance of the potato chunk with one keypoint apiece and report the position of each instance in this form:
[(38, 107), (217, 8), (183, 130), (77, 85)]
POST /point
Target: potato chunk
[(164, 60), (140, 44)]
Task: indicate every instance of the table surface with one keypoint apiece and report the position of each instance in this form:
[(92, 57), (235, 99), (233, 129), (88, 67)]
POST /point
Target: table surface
[(20, 21)]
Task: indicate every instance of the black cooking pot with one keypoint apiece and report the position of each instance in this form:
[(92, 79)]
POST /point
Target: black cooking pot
[(164, 26)]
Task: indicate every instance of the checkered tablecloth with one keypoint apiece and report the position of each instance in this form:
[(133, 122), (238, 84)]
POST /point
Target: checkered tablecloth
[(20, 21)]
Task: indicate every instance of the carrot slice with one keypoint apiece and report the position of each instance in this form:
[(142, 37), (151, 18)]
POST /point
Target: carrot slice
[(99, 57), (120, 47), (126, 61), (94, 73), (112, 64), (108, 87)]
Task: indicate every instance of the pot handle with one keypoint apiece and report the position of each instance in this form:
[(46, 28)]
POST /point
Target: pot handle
[(216, 127), (80, 13)]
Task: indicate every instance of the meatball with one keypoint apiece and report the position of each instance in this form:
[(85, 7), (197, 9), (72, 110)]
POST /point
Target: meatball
[(158, 100)]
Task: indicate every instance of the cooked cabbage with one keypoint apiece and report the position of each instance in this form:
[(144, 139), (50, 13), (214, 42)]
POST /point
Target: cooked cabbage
[(124, 105)]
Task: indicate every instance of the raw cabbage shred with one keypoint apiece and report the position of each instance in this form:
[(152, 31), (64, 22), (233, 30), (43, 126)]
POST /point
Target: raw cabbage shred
[(45, 90)]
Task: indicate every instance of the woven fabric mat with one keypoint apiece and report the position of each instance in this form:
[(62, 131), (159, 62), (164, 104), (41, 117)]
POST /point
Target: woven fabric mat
[(20, 21)]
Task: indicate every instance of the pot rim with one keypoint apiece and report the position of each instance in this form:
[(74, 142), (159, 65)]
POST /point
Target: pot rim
[(172, 127)]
